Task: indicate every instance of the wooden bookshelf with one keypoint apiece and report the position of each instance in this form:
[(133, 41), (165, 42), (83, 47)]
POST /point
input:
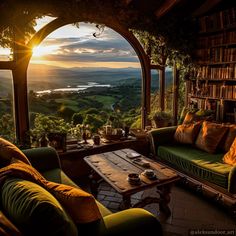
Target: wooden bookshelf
[(213, 83)]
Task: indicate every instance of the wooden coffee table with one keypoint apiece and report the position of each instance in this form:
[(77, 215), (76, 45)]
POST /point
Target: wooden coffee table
[(114, 167)]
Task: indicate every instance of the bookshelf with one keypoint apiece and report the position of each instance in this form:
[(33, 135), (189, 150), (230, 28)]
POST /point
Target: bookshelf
[(213, 81)]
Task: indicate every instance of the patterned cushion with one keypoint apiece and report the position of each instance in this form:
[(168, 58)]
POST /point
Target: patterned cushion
[(187, 133), (210, 136), (230, 156)]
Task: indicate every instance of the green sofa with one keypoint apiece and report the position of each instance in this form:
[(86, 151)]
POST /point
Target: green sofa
[(193, 162), (134, 221)]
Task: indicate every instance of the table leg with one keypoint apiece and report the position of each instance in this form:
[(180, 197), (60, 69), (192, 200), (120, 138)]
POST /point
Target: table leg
[(94, 183), (164, 192), (126, 202)]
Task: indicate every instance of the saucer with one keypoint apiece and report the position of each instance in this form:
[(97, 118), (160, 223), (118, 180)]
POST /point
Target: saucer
[(132, 182)]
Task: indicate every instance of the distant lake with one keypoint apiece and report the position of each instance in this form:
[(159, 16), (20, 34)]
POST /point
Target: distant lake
[(69, 89)]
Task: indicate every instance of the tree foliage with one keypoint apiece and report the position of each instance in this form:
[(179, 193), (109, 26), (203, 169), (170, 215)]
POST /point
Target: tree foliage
[(7, 127)]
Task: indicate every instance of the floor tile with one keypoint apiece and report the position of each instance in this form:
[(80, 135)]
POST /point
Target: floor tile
[(189, 211)]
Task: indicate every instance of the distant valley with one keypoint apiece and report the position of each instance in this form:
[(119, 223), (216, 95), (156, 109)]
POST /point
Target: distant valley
[(42, 77)]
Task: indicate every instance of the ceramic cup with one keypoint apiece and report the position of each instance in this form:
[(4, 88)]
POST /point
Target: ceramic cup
[(149, 173), (133, 177)]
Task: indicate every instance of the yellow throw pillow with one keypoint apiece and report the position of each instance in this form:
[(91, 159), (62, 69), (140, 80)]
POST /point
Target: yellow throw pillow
[(9, 153), (79, 204), (187, 133), (210, 136), (230, 156)]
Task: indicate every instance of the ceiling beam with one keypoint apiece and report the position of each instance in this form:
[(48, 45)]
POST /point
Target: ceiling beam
[(126, 2), (165, 7), (205, 7)]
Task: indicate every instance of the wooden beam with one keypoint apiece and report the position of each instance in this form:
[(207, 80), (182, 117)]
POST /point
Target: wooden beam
[(156, 67), (187, 91), (165, 8), (162, 89), (175, 93), (146, 96), (205, 7), (7, 65)]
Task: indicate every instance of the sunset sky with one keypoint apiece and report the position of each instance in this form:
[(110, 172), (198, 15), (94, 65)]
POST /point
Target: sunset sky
[(70, 46)]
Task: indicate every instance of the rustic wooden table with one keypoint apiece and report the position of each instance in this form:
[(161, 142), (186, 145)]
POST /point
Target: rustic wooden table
[(114, 167), (75, 167)]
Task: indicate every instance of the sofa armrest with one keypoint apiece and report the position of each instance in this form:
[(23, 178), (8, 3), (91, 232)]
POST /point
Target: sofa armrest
[(232, 180), (161, 136), (135, 221), (43, 158)]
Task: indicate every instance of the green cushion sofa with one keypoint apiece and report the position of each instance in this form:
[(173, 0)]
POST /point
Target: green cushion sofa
[(131, 221), (206, 172)]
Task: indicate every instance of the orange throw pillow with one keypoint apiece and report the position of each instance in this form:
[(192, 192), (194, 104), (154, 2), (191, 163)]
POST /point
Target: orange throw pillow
[(9, 153), (187, 133), (231, 134), (79, 204), (189, 118), (194, 117), (210, 136), (230, 156)]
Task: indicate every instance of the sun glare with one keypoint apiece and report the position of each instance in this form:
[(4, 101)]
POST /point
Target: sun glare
[(40, 51)]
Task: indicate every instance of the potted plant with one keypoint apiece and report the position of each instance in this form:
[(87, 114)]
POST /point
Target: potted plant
[(161, 119), (52, 128)]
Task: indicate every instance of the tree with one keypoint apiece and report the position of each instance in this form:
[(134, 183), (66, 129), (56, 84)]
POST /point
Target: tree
[(44, 124), (77, 118), (92, 111), (7, 127), (66, 113), (94, 122)]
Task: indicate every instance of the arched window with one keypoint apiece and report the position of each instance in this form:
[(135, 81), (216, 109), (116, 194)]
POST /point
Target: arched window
[(85, 75)]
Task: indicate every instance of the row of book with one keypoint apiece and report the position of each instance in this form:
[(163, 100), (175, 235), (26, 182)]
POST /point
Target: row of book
[(218, 20), (225, 38), (223, 54), (216, 91), (207, 104), (207, 72), (215, 55), (216, 106), (228, 92)]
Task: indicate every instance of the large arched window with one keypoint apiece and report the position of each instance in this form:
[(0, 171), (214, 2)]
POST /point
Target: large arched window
[(85, 75)]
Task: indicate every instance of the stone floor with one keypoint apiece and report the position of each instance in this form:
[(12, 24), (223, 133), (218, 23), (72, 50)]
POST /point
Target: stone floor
[(189, 212)]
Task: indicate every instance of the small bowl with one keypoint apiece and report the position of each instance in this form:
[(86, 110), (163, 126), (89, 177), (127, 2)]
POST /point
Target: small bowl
[(133, 178)]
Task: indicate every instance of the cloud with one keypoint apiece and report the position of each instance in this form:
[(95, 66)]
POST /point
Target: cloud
[(92, 50), (108, 47)]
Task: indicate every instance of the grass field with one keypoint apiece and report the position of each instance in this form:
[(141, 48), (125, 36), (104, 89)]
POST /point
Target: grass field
[(107, 101), (70, 103)]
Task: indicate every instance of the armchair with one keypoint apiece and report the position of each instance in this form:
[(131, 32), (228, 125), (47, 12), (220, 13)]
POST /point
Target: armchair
[(131, 221)]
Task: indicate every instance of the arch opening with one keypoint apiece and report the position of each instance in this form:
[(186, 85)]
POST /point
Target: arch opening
[(58, 99)]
